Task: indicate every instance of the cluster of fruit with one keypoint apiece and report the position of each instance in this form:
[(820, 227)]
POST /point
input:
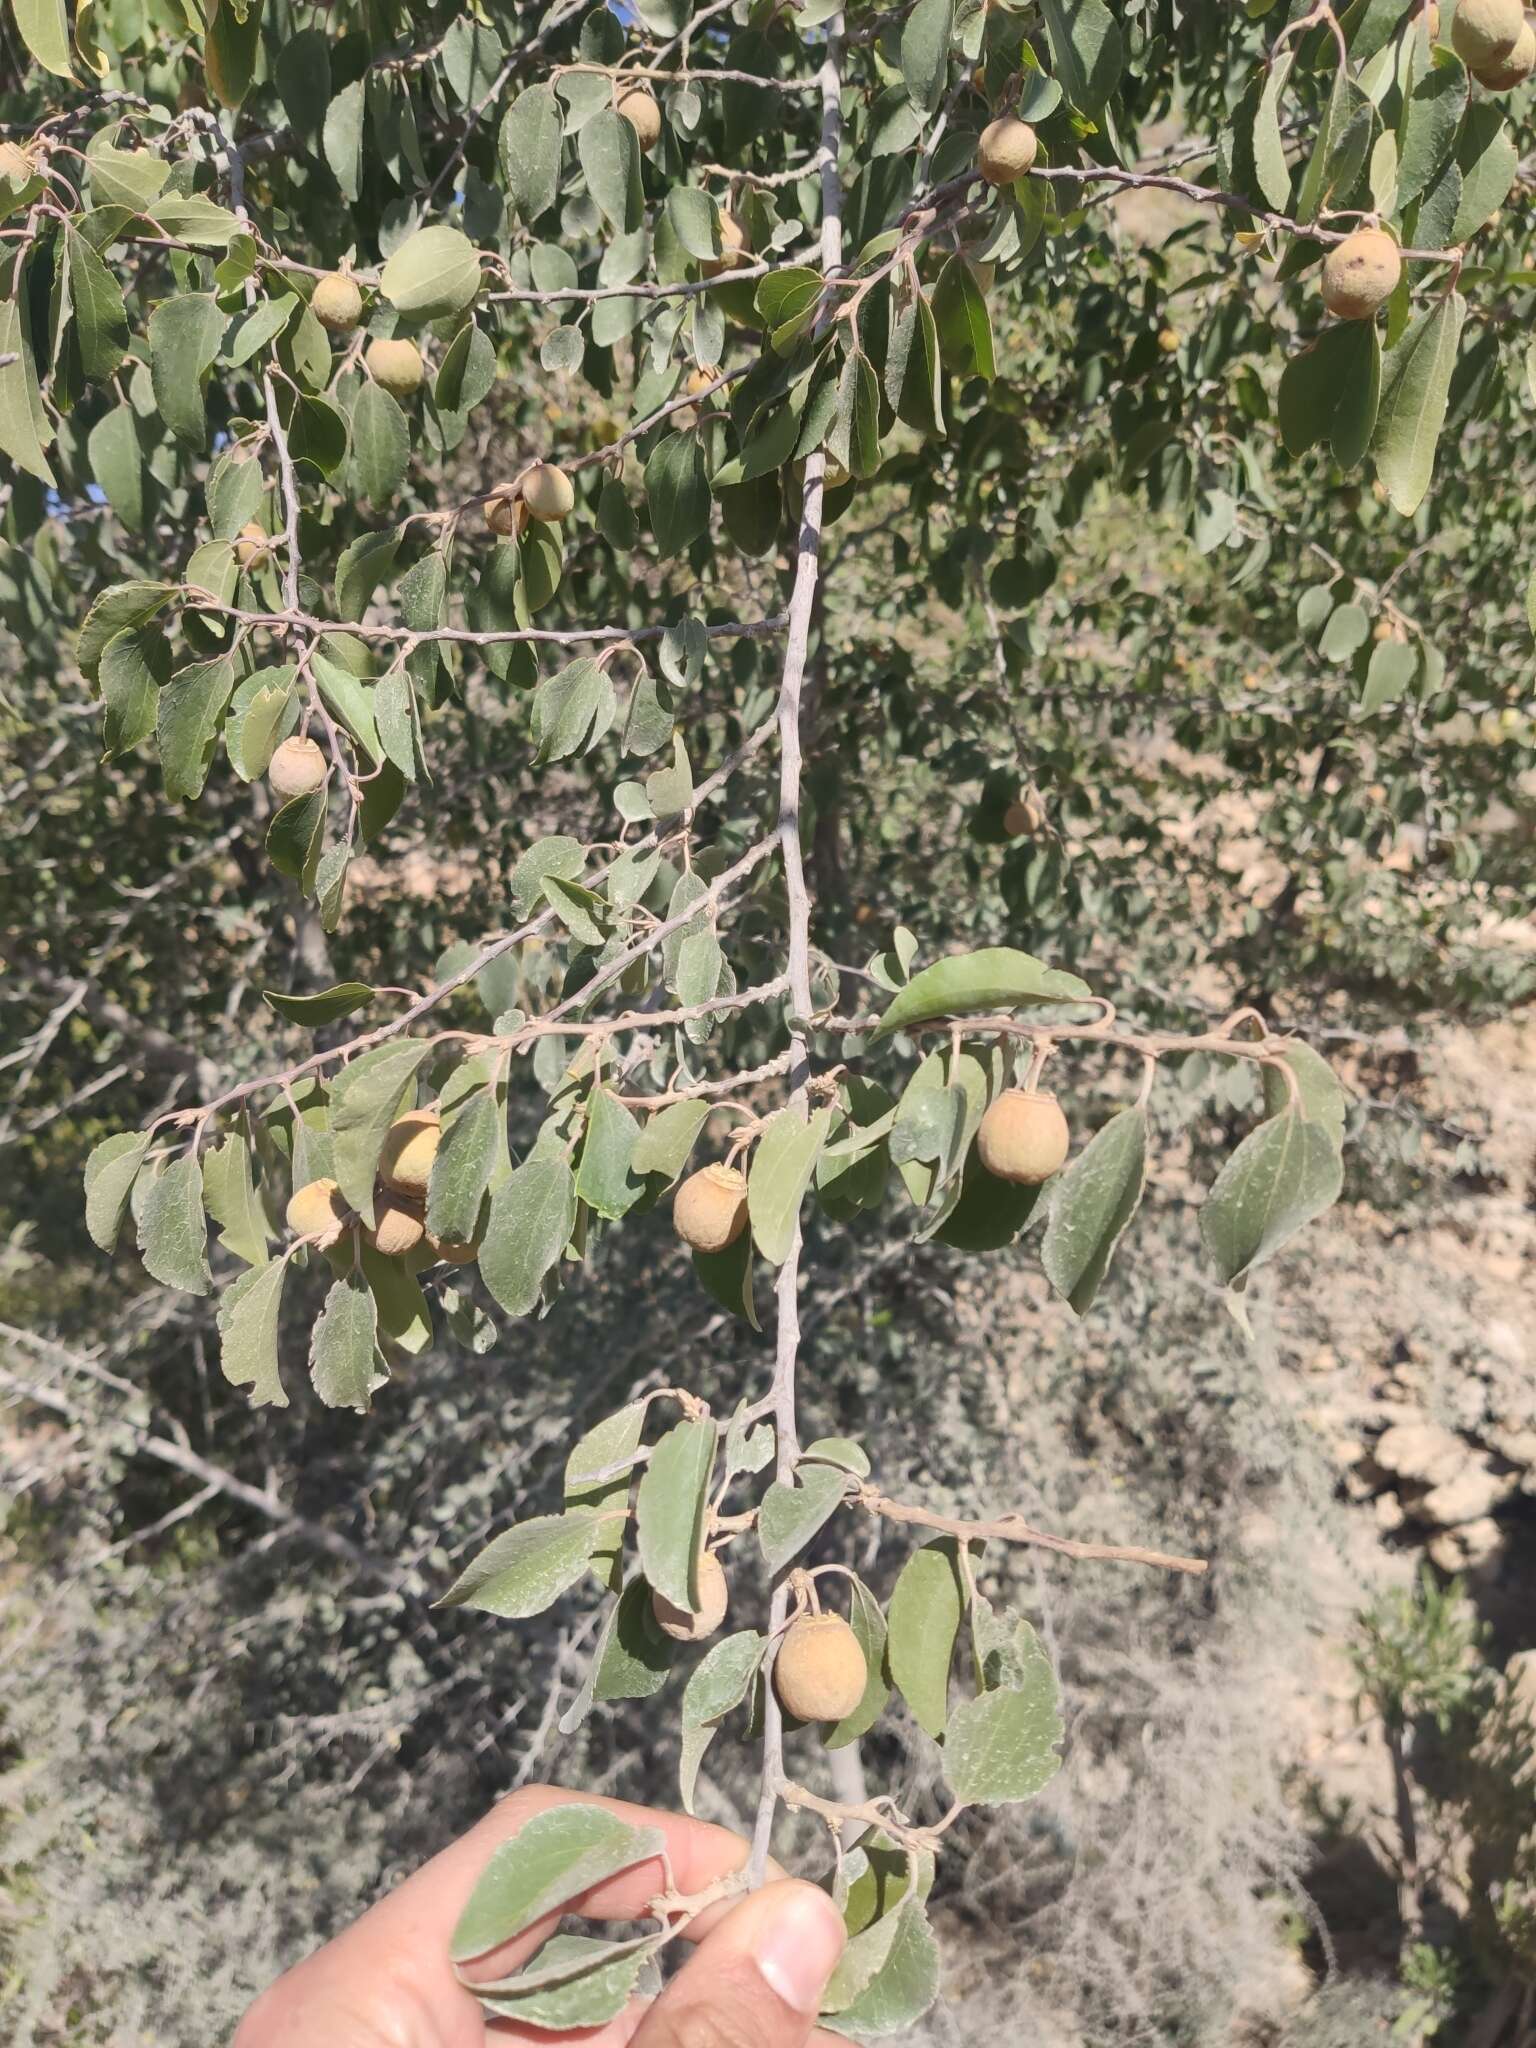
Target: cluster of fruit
[(320, 1211)]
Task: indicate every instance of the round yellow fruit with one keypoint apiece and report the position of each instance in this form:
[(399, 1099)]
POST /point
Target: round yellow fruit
[(1514, 69), (296, 769), (1485, 32), (819, 1673), (709, 1211), (410, 1147), (640, 110), (1006, 150), (395, 366), (700, 380), (1168, 340), (1024, 818), (253, 545), (337, 303), (504, 512), (1360, 272), (1023, 1137), (714, 1594), (398, 1226), (549, 493), (317, 1210), (735, 246)]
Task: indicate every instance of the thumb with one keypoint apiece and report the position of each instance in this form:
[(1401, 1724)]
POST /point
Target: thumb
[(757, 1979)]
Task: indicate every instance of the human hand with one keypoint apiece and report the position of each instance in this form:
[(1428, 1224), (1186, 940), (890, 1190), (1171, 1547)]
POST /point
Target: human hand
[(763, 1960)]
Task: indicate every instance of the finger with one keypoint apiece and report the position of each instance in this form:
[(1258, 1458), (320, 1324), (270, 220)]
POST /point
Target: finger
[(757, 1979)]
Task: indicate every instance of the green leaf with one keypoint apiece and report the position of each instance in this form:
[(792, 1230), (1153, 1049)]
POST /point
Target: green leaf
[(117, 463), (1001, 1747), (1281, 1176), (636, 1660), (1322, 1095), (717, 1686), (605, 1179), (134, 671), (191, 707), (44, 28), (963, 323), (101, 320), (575, 1982), (969, 984), (1092, 1203), (676, 487), (925, 52), (1331, 390), (924, 1620), (341, 1349), (905, 1982), (248, 1318), (293, 839), (461, 1172), (782, 1165), (868, 1625), (527, 1568), (613, 1442), (233, 1200), (668, 1138), (381, 443), (532, 1214), (184, 335), (552, 1860), (1418, 382), (1392, 667), (530, 150), (365, 1098), (1086, 49), (173, 1237), (325, 1006), (1489, 164), (1269, 162), (790, 1515), (434, 272), (1427, 129), (610, 158), (403, 1316), (669, 1510), (1345, 634), (343, 139), (110, 1173), (25, 428)]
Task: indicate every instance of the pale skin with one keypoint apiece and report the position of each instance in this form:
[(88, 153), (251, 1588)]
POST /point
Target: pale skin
[(754, 1980)]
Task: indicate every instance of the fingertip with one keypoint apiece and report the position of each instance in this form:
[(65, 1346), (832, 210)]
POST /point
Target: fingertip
[(802, 1937)]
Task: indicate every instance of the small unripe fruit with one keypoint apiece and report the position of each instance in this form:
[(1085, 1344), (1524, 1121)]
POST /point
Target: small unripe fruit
[(253, 545), (1360, 272), (1023, 1137), (1514, 69), (1006, 150), (398, 1226), (337, 303), (549, 493), (640, 110), (710, 1208), (317, 1210), (296, 769), (734, 246), (410, 1147), (714, 1593), (504, 512), (820, 1672), (1484, 32), (1168, 340), (699, 380), (395, 366)]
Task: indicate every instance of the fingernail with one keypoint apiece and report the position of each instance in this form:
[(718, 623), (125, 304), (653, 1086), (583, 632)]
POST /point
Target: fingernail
[(800, 1947)]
